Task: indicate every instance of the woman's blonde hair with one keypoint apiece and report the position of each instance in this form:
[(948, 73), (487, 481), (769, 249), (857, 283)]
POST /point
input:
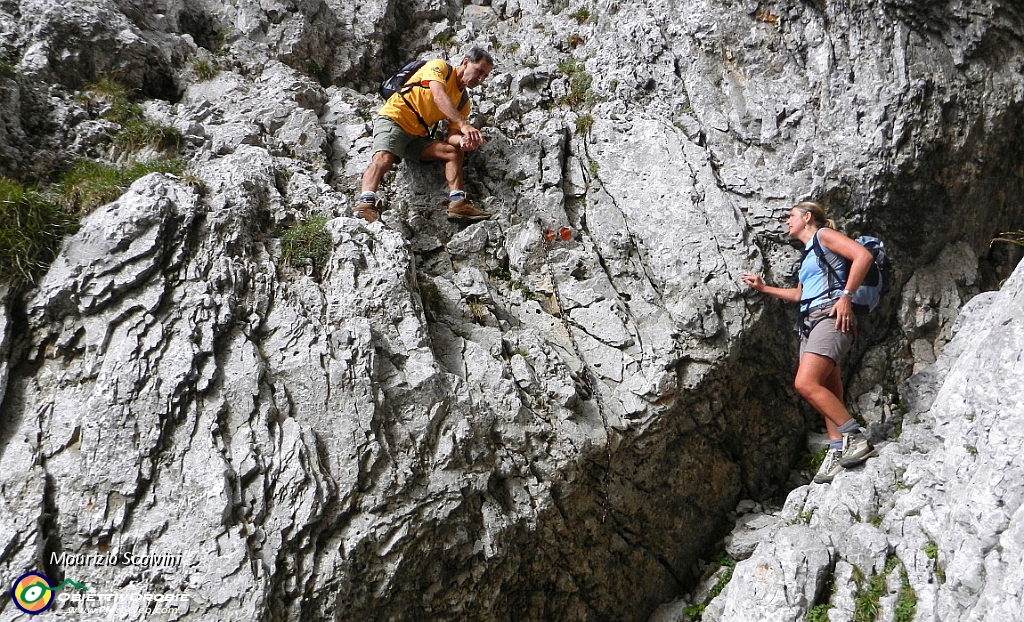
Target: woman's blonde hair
[(817, 212)]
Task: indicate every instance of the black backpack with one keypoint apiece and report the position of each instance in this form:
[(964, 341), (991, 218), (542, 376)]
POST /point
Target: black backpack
[(397, 84)]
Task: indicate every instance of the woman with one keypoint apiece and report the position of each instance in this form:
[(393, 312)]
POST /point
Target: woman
[(828, 280)]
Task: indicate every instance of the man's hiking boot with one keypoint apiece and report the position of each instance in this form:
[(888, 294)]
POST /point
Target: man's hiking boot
[(830, 467), (462, 210), (366, 211), (856, 449)]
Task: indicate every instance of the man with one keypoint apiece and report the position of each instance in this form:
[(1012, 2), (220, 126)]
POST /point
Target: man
[(402, 127)]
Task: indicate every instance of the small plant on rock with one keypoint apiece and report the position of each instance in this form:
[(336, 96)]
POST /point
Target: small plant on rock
[(579, 85), (812, 462), (819, 613), (906, 600), (205, 70), (931, 551), (869, 592), (308, 244), (444, 39), (138, 134), (581, 14), (584, 122)]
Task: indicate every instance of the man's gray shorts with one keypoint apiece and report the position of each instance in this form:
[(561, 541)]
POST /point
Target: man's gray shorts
[(825, 339), (389, 136)]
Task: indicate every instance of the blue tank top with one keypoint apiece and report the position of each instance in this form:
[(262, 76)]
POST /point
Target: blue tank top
[(814, 277)]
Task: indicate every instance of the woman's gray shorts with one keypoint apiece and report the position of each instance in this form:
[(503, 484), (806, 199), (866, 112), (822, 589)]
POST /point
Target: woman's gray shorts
[(825, 339), (389, 136)]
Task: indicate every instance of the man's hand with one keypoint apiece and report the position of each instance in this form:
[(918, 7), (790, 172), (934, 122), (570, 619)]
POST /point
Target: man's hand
[(471, 138)]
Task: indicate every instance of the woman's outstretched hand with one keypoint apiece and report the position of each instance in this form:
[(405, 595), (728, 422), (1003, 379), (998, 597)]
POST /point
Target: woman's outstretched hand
[(753, 281)]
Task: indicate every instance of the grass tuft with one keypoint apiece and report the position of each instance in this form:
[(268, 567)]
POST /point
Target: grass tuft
[(205, 70), (581, 14), (584, 122), (136, 131), (138, 134), (90, 184), (579, 85), (308, 244), (31, 229)]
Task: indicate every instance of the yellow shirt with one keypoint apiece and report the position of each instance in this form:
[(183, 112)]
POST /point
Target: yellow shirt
[(420, 98)]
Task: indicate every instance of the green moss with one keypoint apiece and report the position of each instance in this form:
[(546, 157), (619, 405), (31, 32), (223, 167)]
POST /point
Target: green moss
[(32, 226), (308, 244), (812, 462), (106, 89), (444, 39)]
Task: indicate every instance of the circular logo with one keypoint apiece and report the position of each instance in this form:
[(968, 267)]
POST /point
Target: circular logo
[(32, 593)]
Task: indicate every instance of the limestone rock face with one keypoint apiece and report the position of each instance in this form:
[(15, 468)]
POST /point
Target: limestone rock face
[(546, 416)]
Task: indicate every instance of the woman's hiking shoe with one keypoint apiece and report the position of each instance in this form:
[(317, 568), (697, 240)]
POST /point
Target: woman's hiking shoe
[(366, 211), (856, 449), (464, 211), (829, 468)]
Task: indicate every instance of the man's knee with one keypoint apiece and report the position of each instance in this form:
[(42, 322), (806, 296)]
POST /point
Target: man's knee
[(442, 151), (383, 158)]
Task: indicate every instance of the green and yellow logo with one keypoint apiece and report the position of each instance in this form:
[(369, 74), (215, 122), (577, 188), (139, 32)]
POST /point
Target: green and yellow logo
[(33, 592)]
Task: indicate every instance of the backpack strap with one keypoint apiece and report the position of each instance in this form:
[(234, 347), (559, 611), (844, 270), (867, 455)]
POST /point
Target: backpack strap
[(426, 84), (414, 111), (465, 96), (833, 276)]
